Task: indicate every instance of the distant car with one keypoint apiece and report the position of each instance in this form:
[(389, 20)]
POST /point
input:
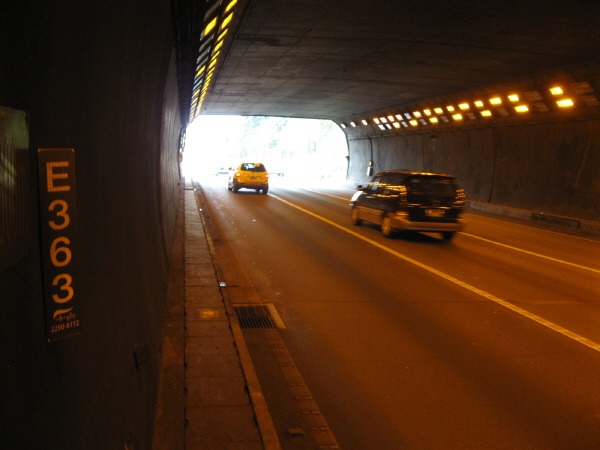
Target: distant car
[(408, 200), (249, 176), (222, 171)]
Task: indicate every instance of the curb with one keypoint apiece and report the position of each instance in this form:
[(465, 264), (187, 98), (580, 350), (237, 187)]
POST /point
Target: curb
[(263, 417)]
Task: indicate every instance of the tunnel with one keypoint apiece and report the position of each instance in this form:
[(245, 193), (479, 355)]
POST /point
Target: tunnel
[(94, 105)]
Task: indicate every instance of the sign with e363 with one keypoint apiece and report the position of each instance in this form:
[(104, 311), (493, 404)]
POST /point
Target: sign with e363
[(58, 239)]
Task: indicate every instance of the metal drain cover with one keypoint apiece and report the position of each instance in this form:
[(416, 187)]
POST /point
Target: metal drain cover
[(254, 316)]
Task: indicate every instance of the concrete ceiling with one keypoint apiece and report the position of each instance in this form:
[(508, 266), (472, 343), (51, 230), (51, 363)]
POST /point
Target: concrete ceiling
[(332, 59)]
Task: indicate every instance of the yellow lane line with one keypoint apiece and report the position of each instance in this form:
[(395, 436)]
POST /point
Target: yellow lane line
[(532, 253), (456, 281)]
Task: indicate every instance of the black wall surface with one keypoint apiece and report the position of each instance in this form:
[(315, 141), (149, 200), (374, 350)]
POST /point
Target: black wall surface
[(552, 168), (98, 77)]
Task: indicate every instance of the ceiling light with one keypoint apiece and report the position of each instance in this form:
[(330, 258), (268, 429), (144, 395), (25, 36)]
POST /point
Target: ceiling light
[(445, 119), (407, 115), (353, 124), (388, 126), (417, 114), (496, 101), (521, 108), (450, 108), (391, 118), (230, 6), (457, 117), (434, 120), (464, 106), (438, 110), (364, 122), (376, 120), (566, 103), (381, 127), (414, 123), (218, 46), (486, 113), (404, 124), (211, 25), (513, 98), (396, 125), (427, 112), (479, 104), (222, 35), (343, 125), (226, 21), (383, 119), (471, 116), (399, 117), (556, 90)]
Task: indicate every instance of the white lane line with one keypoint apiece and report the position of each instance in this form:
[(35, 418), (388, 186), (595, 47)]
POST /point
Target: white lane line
[(456, 281), (498, 243), (532, 253), (544, 230), (330, 195)]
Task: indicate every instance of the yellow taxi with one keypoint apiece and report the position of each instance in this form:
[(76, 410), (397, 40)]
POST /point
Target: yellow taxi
[(249, 176)]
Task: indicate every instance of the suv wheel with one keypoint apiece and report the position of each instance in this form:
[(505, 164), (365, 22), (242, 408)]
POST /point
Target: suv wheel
[(355, 218), (386, 227)]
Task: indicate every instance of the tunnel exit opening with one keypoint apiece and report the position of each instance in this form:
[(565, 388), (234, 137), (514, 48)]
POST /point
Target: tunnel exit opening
[(291, 148)]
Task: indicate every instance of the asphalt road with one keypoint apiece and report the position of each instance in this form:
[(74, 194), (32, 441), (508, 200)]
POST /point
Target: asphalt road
[(490, 341)]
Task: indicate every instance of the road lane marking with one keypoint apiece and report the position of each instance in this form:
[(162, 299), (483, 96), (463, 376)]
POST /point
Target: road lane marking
[(330, 195), (487, 295), (532, 253), (503, 245), (581, 238)]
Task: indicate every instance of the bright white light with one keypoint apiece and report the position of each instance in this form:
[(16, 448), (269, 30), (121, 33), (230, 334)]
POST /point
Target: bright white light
[(302, 148)]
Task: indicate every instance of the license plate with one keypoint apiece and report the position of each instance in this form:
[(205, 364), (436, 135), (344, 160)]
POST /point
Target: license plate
[(434, 212), (252, 177)]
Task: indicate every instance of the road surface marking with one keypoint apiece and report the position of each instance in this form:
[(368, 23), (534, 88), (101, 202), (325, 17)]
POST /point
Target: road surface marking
[(330, 195), (581, 238), (456, 281), (532, 253), (498, 243)]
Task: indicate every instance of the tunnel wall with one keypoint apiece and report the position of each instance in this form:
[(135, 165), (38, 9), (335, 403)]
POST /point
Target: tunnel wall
[(100, 78), (553, 168)]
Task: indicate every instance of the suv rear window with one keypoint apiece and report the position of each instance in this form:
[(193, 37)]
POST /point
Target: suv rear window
[(430, 185), (253, 167)]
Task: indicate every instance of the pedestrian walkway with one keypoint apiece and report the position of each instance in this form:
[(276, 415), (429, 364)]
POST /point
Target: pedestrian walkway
[(204, 355)]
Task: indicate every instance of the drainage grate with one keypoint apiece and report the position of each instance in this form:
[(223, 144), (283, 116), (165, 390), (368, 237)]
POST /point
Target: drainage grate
[(254, 316)]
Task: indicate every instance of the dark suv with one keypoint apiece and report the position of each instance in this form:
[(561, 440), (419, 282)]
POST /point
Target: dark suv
[(408, 200)]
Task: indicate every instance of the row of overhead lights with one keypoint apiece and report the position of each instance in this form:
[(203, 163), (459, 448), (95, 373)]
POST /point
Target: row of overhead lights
[(211, 43), (495, 106)]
